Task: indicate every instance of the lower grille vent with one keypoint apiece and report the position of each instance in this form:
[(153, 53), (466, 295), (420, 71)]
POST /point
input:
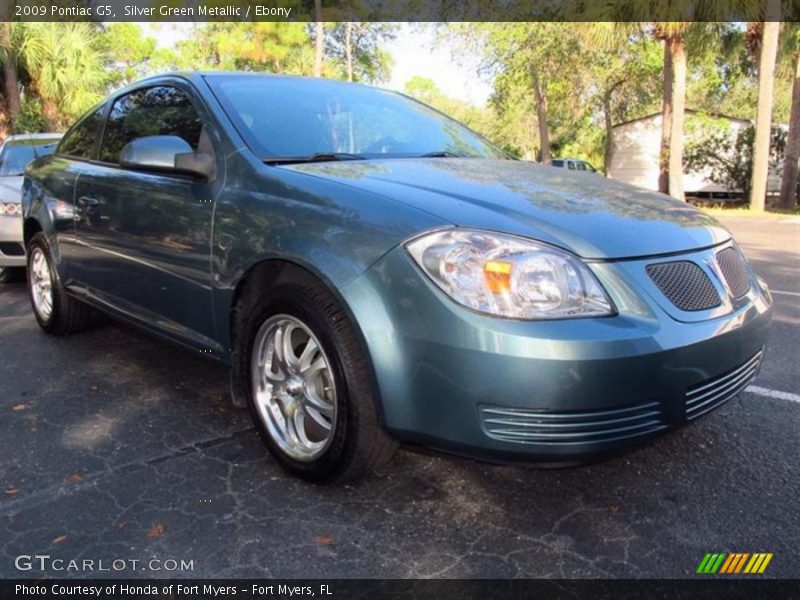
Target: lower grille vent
[(527, 426), (714, 392)]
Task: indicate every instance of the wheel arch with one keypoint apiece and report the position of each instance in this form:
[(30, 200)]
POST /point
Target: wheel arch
[(30, 227), (270, 272)]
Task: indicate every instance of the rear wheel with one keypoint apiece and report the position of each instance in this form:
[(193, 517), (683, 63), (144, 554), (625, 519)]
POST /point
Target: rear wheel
[(57, 312), (309, 389)]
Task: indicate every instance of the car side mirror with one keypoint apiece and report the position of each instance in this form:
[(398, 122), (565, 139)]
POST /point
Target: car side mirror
[(166, 154)]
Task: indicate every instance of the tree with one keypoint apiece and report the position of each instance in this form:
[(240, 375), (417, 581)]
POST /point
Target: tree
[(623, 72), (319, 38), (251, 46), (360, 48), (65, 67), (766, 84), (789, 183), (128, 52), (9, 66), (537, 63)]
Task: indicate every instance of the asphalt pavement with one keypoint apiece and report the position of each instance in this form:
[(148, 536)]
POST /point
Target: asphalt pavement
[(117, 446)]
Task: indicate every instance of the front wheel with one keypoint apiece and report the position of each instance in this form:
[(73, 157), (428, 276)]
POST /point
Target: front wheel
[(309, 389)]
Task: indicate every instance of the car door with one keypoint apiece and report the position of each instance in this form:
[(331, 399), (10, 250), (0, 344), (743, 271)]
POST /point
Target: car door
[(148, 234)]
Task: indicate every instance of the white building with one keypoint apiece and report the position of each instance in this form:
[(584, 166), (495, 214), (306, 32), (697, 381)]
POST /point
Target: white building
[(637, 145)]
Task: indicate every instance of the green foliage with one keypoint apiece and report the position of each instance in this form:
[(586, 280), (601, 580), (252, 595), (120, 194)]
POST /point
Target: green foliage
[(728, 157), (128, 52), (477, 119), (64, 64), (371, 63), (31, 119)]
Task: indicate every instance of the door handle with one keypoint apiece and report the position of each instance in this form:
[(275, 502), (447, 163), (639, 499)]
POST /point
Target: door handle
[(88, 202)]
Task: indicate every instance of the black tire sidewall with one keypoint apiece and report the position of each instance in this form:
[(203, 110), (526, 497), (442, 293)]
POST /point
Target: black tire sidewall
[(294, 300)]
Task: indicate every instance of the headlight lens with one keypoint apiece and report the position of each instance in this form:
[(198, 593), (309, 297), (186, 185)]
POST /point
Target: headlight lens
[(509, 276), (10, 208)]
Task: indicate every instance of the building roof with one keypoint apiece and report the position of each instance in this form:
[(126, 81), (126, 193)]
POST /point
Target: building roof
[(688, 111)]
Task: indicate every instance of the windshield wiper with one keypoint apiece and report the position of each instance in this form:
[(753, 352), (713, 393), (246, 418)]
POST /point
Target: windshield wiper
[(317, 157), (442, 154)]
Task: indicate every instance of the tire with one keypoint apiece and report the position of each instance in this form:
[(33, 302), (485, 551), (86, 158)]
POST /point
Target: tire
[(356, 443), (11, 274), (66, 315)]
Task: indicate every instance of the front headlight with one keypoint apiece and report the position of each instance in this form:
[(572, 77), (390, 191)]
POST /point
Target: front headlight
[(509, 276)]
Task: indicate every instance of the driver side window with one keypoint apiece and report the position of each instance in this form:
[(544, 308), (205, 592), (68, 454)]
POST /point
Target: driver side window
[(160, 110)]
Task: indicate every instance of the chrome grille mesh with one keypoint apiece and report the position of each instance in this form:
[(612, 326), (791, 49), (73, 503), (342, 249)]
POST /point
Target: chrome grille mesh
[(526, 426), (714, 392), (685, 285), (734, 270)]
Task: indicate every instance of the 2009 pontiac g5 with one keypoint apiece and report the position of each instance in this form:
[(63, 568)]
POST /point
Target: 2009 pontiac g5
[(375, 273)]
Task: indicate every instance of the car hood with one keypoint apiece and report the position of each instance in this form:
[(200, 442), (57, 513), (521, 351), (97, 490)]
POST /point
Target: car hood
[(11, 189), (586, 213)]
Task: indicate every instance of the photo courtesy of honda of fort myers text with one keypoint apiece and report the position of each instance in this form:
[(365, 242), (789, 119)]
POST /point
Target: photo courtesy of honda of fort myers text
[(429, 299)]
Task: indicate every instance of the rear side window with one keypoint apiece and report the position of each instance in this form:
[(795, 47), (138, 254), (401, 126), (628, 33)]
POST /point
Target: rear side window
[(79, 141), (558, 163), (161, 110)]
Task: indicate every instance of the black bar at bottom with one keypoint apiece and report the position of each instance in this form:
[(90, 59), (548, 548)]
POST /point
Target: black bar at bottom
[(712, 587)]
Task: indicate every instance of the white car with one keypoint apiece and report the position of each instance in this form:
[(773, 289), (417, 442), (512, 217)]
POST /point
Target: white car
[(573, 164), (15, 154)]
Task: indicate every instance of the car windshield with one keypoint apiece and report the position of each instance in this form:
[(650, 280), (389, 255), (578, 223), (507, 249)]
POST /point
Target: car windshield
[(17, 155), (326, 120)]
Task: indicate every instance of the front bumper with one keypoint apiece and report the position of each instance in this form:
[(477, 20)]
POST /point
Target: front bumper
[(12, 250), (549, 391)]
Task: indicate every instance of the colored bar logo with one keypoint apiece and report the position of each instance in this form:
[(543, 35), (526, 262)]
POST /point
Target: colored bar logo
[(734, 562)]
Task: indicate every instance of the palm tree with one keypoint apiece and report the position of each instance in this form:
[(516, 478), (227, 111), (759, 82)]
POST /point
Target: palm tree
[(10, 71), (670, 178), (65, 68), (788, 196), (319, 38), (766, 84)]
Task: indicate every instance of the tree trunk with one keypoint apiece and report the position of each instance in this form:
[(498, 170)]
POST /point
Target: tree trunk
[(675, 169), (789, 181), (609, 149), (320, 38), (541, 117), (766, 84), (51, 114), (666, 123), (9, 68), (348, 49)]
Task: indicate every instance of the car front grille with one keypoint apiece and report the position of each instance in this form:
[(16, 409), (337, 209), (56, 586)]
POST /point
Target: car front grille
[(731, 263), (710, 394), (685, 285), (528, 426), (12, 249)]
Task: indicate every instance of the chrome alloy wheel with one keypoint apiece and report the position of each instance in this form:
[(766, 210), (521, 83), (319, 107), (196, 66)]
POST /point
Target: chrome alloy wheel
[(293, 387), (41, 284)]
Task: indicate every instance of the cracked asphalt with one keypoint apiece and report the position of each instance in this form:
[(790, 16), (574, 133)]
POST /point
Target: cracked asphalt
[(114, 445)]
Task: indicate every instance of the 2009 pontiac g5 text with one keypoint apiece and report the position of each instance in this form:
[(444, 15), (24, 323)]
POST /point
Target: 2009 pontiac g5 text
[(374, 273)]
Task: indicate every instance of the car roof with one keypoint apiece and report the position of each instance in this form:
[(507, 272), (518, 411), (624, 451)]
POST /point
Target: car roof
[(202, 75), (33, 136)]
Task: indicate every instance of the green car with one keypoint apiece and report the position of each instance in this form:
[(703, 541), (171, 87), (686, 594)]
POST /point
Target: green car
[(373, 273)]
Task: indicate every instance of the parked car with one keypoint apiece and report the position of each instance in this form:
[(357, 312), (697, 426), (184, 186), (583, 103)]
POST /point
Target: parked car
[(375, 273), (573, 164), (15, 153)]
